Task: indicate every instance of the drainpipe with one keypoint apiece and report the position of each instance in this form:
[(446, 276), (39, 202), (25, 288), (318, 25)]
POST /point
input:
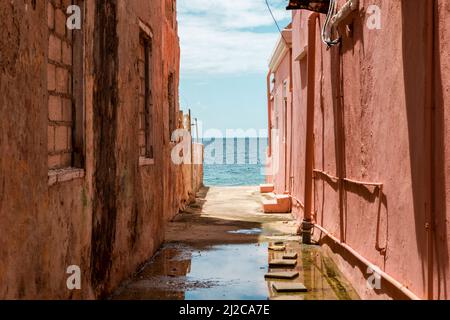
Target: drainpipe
[(291, 87), (285, 136), (269, 116), (288, 106), (307, 224)]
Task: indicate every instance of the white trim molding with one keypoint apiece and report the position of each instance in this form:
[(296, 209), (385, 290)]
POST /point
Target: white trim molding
[(283, 45)]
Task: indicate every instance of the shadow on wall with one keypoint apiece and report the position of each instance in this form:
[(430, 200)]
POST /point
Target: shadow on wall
[(441, 251), (352, 39), (425, 169), (420, 82), (338, 111)]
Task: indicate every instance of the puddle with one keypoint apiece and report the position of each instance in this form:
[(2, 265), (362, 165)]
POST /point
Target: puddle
[(233, 272), (247, 231)]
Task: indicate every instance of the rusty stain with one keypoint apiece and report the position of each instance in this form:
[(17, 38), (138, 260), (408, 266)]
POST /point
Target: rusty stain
[(10, 39), (105, 119)]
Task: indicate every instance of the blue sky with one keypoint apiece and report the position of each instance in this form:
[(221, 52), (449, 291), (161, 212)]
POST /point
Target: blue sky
[(225, 48)]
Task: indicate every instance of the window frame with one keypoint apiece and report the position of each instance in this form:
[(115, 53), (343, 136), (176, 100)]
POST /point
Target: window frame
[(146, 39), (75, 169)]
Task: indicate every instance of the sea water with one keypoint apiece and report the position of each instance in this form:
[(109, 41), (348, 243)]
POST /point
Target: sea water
[(234, 161)]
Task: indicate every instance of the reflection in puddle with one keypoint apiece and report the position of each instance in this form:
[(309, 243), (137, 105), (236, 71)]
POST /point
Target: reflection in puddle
[(233, 272), (247, 231)]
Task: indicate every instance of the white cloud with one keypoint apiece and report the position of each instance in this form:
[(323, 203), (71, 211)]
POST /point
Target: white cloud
[(222, 37)]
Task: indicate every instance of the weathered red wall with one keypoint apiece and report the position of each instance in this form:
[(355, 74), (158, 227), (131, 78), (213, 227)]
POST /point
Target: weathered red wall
[(141, 204), (377, 96), (111, 220), (26, 237)]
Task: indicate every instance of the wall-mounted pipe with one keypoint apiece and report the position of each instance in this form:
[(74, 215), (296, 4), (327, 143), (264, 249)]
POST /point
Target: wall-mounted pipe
[(269, 149), (306, 227), (298, 203), (291, 91), (353, 181), (377, 185), (381, 273)]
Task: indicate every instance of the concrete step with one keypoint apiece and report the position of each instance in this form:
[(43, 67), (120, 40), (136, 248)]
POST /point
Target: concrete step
[(277, 248), (285, 275), (280, 263), (290, 256), (266, 188), (289, 287), (279, 204)]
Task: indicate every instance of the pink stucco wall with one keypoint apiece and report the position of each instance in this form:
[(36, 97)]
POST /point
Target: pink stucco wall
[(380, 117), (442, 147), (279, 108)]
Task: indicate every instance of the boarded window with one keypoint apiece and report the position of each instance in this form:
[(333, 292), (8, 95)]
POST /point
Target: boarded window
[(65, 90), (145, 97)]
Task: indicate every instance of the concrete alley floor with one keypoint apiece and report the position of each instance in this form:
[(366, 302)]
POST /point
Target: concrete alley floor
[(219, 249)]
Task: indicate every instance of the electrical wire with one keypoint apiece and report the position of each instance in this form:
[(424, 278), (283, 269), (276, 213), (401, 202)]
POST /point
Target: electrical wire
[(275, 20), (326, 31)]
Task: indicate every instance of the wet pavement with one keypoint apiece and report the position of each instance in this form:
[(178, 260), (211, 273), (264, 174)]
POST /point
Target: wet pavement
[(214, 254)]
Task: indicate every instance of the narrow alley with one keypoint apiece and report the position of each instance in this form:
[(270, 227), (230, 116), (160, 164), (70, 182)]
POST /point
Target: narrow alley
[(225, 150), (226, 227)]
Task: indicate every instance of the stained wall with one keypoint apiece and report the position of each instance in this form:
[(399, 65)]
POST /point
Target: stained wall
[(380, 117), (105, 212)]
